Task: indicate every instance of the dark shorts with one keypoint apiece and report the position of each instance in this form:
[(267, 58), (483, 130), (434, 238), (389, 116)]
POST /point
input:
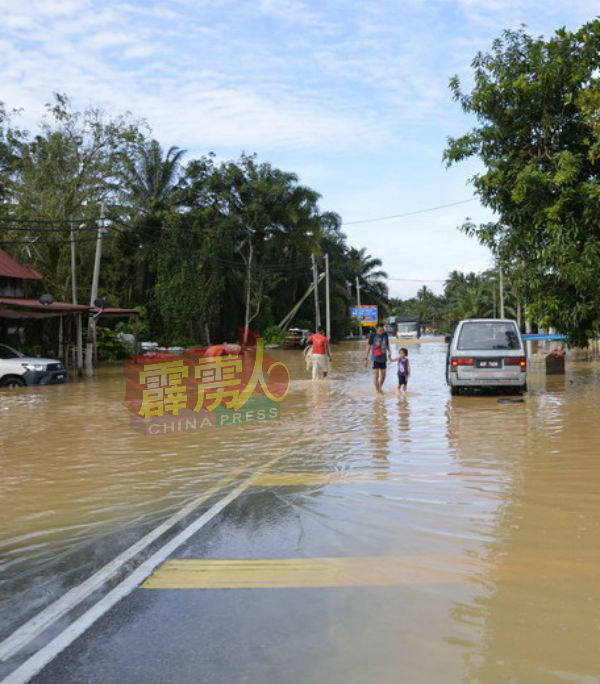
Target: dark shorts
[(402, 380), (377, 363)]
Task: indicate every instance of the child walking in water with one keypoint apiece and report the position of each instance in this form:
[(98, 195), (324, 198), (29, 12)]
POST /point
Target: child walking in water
[(403, 370)]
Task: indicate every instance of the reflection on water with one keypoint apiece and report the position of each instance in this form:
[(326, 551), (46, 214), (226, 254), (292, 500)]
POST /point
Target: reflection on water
[(505, 495)]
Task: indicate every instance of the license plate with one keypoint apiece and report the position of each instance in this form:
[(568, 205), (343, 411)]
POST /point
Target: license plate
[(488, 364), (60, 376)]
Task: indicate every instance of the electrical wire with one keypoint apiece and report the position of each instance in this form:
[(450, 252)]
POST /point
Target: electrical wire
[(7, 219), (51, 242), (31, 229), (409, 213), (417, 280)]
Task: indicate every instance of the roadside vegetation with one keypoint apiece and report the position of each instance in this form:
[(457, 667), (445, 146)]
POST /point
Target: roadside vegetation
[(202, 247), (536, 104), (465, 295)]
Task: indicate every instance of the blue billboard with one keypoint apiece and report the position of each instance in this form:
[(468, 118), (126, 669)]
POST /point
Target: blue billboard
[(368, 315)]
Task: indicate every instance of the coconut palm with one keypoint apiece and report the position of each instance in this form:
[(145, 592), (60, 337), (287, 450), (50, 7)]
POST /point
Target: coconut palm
[(363, 266), (151, 180), (149, 190)]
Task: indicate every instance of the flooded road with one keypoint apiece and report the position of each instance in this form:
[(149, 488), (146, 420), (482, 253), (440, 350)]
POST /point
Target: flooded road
[(446, 538)]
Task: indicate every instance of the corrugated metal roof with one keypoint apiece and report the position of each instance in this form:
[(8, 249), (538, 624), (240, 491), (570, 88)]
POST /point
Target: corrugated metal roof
[(9, 268), (19, 303), (29, 306)]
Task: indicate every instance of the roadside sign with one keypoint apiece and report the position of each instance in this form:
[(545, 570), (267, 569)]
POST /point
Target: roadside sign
[(368, 315)]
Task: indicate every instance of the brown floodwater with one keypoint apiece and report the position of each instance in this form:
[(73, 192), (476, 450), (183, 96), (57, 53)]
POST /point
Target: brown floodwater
[(498, 505)]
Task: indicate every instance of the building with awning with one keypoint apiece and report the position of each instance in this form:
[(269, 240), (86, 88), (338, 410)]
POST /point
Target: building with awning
[(15, 307), (20, 308)]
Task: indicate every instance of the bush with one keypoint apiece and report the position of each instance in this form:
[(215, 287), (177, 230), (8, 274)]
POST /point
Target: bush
[(273, 335), (110, 346)]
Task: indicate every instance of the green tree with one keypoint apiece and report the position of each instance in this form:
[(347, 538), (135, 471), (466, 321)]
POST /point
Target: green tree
[(267, 215), (151, 180), (150, 190), (202, 248), (373, 289), (429, 306), (63, 173), (536, 106)]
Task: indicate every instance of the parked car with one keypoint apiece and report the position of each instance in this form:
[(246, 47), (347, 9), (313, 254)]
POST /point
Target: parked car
[(296, 338), (18, 369), (486, 353)]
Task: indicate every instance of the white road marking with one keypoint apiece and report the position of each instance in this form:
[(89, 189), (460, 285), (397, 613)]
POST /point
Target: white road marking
[(37, 624), (39, 660)]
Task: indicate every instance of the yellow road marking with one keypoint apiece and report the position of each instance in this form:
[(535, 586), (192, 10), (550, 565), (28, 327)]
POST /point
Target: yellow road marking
[(296, 479), (303, 572), (316, 479), (368, 571)]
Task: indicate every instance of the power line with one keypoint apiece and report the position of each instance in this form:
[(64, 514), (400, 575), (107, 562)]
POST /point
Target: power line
[(417, 280), (409, 213), (49, 242), (45, 229), (7, 219)]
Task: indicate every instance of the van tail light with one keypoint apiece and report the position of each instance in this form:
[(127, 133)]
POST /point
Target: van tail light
[(457, 361), (516, 361)]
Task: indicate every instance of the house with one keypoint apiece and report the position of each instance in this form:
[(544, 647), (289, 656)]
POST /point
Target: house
[(16, 310)]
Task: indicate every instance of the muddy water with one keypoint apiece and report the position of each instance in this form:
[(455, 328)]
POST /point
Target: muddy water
[(500, 501)]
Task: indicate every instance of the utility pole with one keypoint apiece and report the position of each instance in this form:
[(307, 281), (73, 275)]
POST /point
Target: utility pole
[(289, 317), (327, 303), (316, 283), (248, 286), (528, 329), (91, 332), (501, 291), (73, 274), (358, 309), (79, 341)]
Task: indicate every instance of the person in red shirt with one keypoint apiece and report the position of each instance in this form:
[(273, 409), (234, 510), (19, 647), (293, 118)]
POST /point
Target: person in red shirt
[(320, 354)]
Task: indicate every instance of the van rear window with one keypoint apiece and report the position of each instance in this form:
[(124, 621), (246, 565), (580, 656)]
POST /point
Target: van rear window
[(488, 336)]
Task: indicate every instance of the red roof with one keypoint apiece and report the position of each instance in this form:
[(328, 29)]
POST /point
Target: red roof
[(9, 268), (18, 307)]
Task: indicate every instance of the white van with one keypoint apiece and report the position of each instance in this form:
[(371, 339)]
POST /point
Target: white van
[(486, 353)]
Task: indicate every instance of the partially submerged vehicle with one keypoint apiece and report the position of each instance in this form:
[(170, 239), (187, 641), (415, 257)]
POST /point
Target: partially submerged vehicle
[(18, 369), (486, 353)]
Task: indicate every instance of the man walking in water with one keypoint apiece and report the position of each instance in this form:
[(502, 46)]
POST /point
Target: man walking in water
[(320, 354), (378, 348)]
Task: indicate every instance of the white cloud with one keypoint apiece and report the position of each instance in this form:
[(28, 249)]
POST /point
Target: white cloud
[(106, 39), (288, 10), (141, 51), (351, 92)]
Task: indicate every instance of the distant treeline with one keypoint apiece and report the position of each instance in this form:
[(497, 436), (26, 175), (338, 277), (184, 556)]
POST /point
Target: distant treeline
[(465, 295)]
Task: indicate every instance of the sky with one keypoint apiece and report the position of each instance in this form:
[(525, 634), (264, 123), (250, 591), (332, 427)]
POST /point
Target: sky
[(351, 95)]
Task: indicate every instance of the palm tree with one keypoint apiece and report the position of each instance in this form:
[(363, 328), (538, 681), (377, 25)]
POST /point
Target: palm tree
[(150, 189), (361, 265), (473, 301), (151, 180)]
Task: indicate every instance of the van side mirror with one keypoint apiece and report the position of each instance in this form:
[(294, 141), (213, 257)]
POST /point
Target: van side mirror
[(447, 339)]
